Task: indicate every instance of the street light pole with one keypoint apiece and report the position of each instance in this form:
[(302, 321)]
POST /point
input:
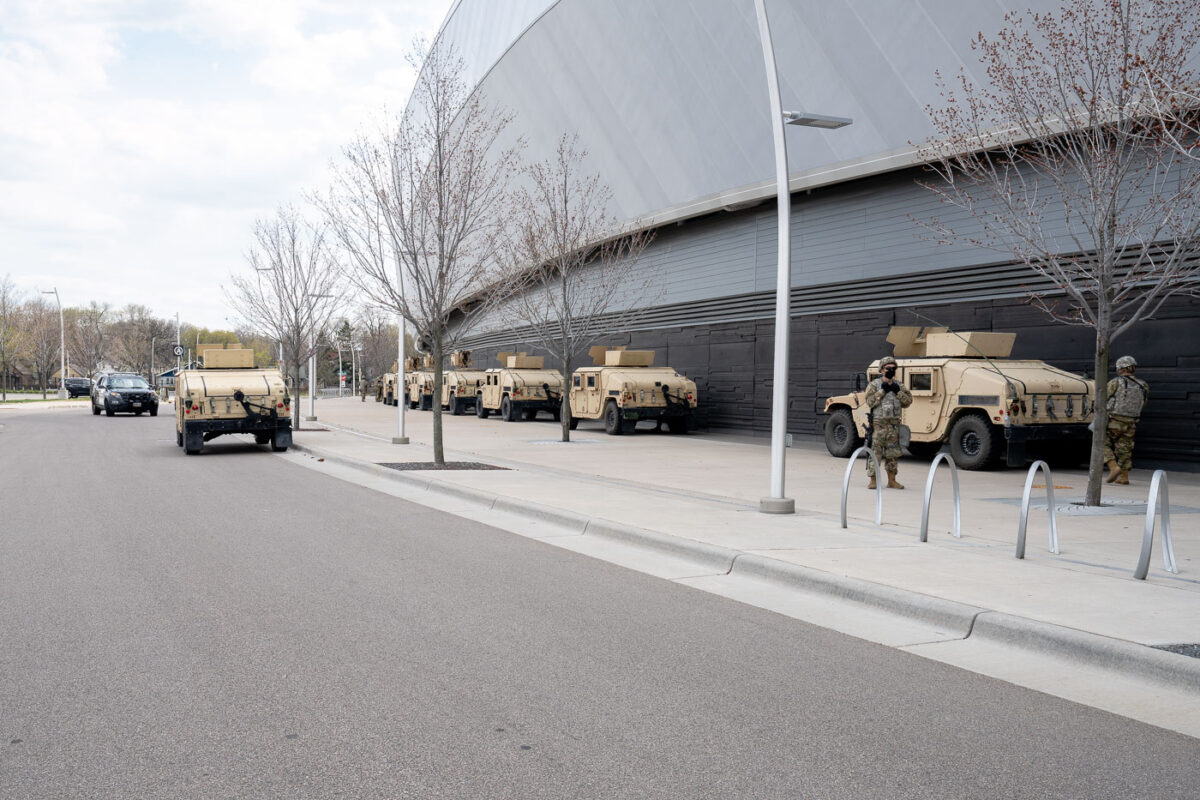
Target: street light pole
[(312, 357), (400, 394), (62, 347), (776, 503)]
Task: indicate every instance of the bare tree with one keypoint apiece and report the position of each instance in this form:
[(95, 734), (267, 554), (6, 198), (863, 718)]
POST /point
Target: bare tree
[(41, 341), (11, 331), (87, 337), (573, 274), (420, 207), (140, 340), (1061, 162), (294, 289)]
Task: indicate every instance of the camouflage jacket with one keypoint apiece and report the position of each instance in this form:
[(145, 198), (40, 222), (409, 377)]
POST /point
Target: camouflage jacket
[(887, 405)]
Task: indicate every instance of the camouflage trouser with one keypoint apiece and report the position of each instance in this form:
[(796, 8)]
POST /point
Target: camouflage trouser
[(885, 444), (1118, 441)]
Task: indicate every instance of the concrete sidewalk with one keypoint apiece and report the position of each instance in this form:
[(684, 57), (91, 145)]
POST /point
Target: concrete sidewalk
[(685, 508)]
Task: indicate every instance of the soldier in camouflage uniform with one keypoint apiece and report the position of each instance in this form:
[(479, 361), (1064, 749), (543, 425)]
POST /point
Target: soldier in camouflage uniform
[(1127, 396), (886, 397)]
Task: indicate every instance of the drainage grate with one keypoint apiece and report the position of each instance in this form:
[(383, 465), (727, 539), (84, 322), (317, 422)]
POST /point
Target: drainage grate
[(1192, 650), (422, 465)]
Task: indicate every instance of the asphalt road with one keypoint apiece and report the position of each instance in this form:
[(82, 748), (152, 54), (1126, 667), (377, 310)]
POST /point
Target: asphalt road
[(233, 625)]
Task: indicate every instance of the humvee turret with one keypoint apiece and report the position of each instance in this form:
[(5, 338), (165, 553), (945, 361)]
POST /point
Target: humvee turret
[(228, 395), (623, 387), (418, 382), (520, 388), (459, 384), (968, 393)]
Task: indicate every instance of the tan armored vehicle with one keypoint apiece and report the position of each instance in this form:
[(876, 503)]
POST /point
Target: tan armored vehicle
[(385, 386), (460, 383), (230, 396), (968, 393), (520, 388), (623, 387), (418, 382)]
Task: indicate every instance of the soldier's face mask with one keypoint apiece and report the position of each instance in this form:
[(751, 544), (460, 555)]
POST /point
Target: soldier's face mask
[(889, 371)]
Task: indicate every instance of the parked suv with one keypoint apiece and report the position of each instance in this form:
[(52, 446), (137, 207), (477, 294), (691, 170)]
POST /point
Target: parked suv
[(123, 391), (77, 387)]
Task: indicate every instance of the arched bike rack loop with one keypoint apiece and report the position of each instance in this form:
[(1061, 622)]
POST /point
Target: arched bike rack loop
[(1049, 507), (1158, 491), (878, 484), (939, 458)]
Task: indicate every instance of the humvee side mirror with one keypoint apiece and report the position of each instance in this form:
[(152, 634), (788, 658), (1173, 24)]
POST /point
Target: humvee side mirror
[(858, 381)]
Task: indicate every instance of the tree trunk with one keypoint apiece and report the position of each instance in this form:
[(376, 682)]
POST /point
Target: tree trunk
[(439, 455), (1100, 421), (565, 414)]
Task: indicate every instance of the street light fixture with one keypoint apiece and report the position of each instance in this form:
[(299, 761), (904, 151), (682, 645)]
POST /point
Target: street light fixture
[(62, 347), (776, 503)]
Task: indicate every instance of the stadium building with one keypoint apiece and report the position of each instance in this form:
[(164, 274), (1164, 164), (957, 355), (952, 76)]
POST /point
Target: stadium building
[(669, 98)]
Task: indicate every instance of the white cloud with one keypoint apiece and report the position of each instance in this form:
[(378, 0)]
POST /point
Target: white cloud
[(141, 139)]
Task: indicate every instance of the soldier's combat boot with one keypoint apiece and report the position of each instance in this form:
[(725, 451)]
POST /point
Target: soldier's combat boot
[(871, 483), (1123, 478), (1113, 471), (892, 482)]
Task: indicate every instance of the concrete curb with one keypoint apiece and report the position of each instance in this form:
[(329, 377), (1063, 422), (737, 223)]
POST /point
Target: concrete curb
[(966, 621), (1159, 666), (955, 617)]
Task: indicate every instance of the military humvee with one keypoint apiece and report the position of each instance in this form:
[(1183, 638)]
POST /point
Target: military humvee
[(967, 392), (460, 383), (228, 395), (623, 387), (385, 386), (520, 388), (418, 382)]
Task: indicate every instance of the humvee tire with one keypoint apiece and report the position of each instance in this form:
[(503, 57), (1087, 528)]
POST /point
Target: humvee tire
[(530, 413), (480, 411), (506, 410), (614, 424), (427, 402), (973, 442), (193, 441), (262, 437), (574, 423), (677, 425), (841, 437), (179, 438), (281, 440), (924, 451)]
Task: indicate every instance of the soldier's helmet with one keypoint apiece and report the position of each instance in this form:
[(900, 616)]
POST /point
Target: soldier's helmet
[(883, 362), (1126, 362)]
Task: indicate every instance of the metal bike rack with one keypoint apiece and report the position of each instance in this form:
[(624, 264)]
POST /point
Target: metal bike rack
[(878, 484), (939, 458), (1158, 490), (1049, 508)]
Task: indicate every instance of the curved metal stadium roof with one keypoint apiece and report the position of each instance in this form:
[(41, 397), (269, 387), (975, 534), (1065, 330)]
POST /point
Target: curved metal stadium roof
[(669, 97)]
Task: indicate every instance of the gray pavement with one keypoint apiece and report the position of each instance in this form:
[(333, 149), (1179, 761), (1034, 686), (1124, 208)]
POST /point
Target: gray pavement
[(230, 625), (685, 508)]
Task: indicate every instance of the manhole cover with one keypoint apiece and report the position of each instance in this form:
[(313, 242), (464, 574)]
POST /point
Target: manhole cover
[(429, 465)]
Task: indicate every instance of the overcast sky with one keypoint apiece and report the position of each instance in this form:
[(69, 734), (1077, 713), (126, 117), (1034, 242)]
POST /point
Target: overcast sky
[(140, 139)]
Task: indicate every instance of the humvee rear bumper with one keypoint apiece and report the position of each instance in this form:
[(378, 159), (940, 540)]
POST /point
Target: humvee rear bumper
[(1020, 437), (212, 428), (656, 412)]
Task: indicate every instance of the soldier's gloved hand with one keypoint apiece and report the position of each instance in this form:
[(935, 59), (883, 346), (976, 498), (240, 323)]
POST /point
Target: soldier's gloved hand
[(891, 387)]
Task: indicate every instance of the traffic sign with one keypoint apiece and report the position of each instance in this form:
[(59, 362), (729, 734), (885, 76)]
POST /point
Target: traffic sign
[(177, 350)]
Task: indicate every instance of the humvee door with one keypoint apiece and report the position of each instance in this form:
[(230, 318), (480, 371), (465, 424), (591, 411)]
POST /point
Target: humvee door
[(928, 393)]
